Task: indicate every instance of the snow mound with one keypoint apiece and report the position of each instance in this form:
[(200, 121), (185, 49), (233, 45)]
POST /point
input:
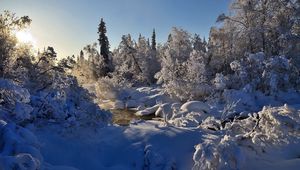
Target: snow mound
[(148, 111), (19, 148), (164, 110), (195, 106), (190, 114)]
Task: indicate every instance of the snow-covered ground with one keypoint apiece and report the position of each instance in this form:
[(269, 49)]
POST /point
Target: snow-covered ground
[(240, 130), (273, 144), (145, 145)]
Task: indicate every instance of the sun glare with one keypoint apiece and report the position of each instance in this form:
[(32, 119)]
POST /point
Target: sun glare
[(24, 36)]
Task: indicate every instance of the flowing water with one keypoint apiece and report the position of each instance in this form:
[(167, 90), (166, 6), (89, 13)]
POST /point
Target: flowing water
[(123, 117)]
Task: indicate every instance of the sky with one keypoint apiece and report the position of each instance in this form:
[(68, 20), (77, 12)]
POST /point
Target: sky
[(69, 25)]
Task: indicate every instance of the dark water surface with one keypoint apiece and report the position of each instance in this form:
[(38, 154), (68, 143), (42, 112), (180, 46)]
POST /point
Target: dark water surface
[(123, 117)]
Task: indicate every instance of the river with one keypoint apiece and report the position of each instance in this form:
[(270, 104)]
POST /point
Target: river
[(123, 117)]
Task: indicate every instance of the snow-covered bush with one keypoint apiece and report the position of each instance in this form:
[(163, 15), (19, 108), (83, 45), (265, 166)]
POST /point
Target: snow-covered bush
[(67, 102), (272, 125), (216, 153), (14, 102), (64, 102), (244, 139), (211, 123)]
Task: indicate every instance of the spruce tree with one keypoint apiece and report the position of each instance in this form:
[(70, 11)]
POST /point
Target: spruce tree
[(153, 42), (81, 55), (148, 42), (104, 46)]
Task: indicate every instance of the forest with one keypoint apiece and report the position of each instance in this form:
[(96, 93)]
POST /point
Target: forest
[(227, 101)]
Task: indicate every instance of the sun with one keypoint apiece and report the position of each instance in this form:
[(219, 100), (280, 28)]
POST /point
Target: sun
[(24, 36)]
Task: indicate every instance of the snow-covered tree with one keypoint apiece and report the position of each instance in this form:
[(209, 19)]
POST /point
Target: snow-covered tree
[(268, 75), (199, 44), (96, 63), (125, 59), (9, 23), (146, 57), (263, 25), (184, 72)]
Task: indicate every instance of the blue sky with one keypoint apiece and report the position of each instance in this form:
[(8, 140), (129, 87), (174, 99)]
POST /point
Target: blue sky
[(68, 25)]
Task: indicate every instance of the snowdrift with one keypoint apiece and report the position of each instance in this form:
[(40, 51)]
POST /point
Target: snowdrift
[(19, 148)]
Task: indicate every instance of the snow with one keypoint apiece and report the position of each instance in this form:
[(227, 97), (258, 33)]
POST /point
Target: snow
[(146, 145), (247, 101), (164, 110), (195, 106), (16, 100), (193, 134), (19, 148), (253, 143), (239, 129), (20, 94), (153, 145), (148, 111)]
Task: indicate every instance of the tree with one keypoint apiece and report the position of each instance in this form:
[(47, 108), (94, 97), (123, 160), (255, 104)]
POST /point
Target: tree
[(95, 63), (173, 56), (153, 40), (81, 56), (147, 60), (45, 68), (198, 44), (85, 70), (262, 25), (125, 58), (252, 27), (9, 23), (104, 47)]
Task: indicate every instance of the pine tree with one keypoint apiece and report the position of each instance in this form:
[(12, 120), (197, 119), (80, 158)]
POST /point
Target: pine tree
[(153, 42), (148, 42), (104, 46), (81, 56), (199, 44)]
